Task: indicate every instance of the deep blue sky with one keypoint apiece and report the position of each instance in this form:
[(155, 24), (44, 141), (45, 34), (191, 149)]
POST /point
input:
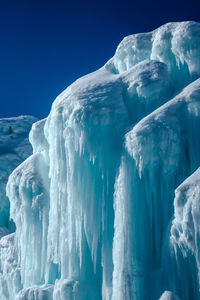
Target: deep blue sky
[(46, 45)]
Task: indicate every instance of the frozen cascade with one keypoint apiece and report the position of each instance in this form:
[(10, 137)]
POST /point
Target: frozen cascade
[(93, 205), (185, 233), (14, 148), (155, 150)]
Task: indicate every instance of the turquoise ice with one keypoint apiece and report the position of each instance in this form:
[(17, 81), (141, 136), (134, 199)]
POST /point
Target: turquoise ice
[(14, 148), (107, 207)]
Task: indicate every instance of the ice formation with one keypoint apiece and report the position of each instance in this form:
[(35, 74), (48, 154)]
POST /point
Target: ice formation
[(107, 207), (14, 148), (168, 296)]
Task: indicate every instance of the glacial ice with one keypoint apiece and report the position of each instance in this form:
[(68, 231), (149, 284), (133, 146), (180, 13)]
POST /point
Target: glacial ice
[(107, 206), (14, 148), (168, 296)]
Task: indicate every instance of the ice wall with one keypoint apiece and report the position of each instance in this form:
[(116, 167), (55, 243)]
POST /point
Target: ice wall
[(93, 205), (185, 234), (159, 153), (14, 148)]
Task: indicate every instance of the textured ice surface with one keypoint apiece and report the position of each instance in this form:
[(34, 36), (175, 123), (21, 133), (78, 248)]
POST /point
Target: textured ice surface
[(94, 204), (14, 148), (169, 296)]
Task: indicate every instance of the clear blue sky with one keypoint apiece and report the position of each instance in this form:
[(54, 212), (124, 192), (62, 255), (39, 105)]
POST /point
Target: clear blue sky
[(46, 45)]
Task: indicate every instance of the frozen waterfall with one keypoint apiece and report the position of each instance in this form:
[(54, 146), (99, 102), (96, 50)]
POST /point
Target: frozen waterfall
[(108, 205), (14, 148)]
